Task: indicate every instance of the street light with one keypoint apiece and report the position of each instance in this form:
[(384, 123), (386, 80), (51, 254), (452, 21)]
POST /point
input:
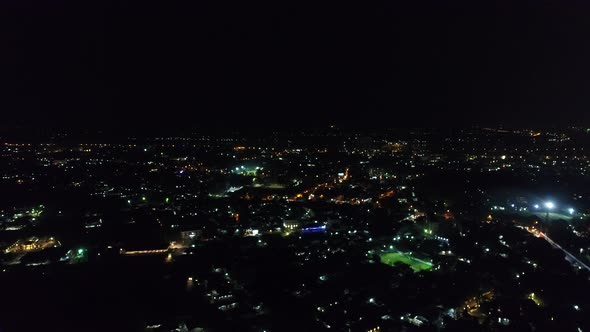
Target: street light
[(536, 206), (550, 206), (571, 210)]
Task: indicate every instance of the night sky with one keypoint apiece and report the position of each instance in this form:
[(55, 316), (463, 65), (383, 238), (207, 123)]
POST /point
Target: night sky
[(118, 63)]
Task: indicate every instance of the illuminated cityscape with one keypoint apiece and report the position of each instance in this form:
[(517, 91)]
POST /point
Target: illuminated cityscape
[(200, 232), (294, 166)]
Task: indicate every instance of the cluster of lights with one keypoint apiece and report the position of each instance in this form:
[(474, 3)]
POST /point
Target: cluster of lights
[(549, 205)]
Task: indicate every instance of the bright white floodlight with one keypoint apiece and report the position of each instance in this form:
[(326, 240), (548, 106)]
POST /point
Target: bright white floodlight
[(549, 205)]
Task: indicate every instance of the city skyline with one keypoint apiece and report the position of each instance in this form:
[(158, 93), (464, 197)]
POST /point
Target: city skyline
[(289, 166), (479, 229)]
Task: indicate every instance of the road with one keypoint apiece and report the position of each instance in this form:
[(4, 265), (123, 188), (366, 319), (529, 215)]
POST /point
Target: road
[(571, 258)]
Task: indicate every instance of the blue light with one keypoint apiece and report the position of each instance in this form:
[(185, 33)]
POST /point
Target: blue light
[(314, 229)]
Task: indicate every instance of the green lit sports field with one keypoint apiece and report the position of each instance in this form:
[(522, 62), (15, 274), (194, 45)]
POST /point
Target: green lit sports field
[(392, 258)]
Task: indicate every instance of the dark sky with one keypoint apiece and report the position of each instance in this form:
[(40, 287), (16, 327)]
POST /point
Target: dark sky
[(117, 63)]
